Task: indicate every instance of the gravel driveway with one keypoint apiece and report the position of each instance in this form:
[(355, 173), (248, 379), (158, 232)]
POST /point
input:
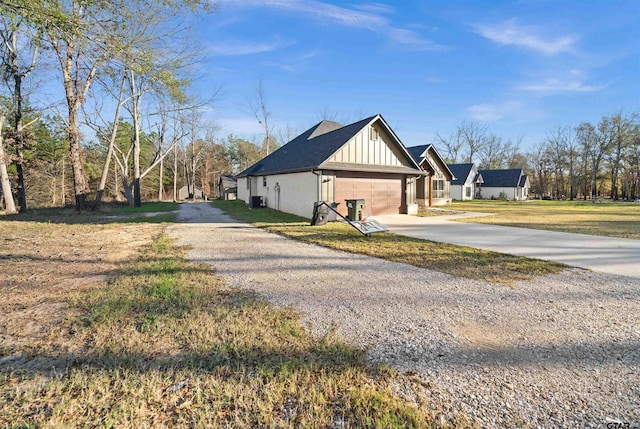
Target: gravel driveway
[(561, 350)]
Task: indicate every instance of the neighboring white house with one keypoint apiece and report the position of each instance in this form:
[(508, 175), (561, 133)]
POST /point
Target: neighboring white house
[(227, 187), (466, 183), (333, 163), (511, 184), (435, 188)]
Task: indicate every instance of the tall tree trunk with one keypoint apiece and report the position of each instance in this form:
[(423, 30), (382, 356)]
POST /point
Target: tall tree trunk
[(175, 173), (10, 206), (75, 92), (22, 192), (112, 141), (75, 156), (63, 185), (135, 100), (115, 182), (160, 184)]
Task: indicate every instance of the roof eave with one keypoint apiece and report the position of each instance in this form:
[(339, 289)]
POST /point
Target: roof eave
[(369, 168)]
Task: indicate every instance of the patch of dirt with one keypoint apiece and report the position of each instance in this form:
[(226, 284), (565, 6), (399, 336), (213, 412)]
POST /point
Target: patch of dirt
[(483, 336), (43, 267), (432, 211)]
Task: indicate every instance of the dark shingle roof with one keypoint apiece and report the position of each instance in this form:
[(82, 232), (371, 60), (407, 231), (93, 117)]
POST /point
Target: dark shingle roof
[(229, 182), (416, 152), (461, 172), (308, 150), (523, 180), (509, 178)]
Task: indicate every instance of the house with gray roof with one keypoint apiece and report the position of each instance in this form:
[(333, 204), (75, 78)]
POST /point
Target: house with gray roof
[(334, 163), (228, 187), (467, 181), (510, 184), (434, 189)]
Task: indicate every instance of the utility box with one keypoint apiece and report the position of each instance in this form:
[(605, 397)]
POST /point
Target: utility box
[(320, 214), (256, 202), (354, 209)]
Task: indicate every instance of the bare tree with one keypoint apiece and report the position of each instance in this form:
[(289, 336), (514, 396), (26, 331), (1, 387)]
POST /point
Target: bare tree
[(596, 143), (631, 172), (497, 152), (452, 146), (556, 143), (286, 134), (15, 72), (473, 136), (111, 144), (258, 106), (622, 129), (9, 204)]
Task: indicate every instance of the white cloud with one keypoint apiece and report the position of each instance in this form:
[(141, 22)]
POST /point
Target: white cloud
[(530, 37), (296, 64), (375, 8), (369, 17), (492, 112), (412, 40), (244, 48), (554, 86), (574, 81)]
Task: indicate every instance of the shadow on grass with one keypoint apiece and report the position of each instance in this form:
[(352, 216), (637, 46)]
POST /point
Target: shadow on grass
[(109, 214)]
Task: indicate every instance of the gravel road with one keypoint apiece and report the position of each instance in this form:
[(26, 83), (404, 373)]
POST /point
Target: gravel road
[(558, 351)]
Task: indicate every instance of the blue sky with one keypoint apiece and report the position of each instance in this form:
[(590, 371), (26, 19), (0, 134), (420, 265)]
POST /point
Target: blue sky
[(520, 67)]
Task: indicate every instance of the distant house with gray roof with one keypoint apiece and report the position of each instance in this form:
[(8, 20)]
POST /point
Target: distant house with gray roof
[(333, 163), (228, 187), (512, 184), (467, 181)]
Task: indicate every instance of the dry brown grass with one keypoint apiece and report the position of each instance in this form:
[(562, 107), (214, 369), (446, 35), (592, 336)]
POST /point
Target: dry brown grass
[(97, 338), (459, 261), (610, 219)]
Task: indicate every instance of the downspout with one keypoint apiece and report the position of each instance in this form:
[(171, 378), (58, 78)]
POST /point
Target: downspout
[(318, 174), (430, 190)]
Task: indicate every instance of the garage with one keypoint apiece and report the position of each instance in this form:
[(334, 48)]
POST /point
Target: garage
[(383, 193)]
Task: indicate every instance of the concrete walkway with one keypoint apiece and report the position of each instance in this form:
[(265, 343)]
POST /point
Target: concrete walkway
[(604, 254)]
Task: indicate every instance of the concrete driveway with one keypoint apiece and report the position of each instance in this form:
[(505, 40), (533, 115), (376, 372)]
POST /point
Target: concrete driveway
[(604, 254)]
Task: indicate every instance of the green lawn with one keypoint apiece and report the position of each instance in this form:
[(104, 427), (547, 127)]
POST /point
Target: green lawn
[(611, 219), (456, 260)]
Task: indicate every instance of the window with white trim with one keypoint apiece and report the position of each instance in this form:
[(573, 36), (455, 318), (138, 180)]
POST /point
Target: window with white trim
[(438, 188)]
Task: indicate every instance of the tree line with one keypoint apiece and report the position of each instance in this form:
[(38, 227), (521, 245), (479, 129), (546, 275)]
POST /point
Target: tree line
[(128, 127), (586, 161)]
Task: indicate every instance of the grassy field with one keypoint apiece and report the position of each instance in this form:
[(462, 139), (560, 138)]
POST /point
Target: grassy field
[(456, 260), (611, 219), (107, 325)]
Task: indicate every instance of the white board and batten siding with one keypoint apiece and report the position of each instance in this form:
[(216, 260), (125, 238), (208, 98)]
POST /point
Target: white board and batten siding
[(365, 150)]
